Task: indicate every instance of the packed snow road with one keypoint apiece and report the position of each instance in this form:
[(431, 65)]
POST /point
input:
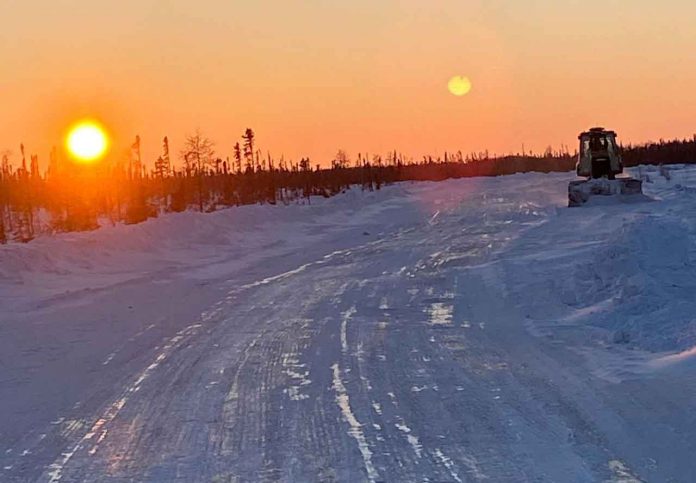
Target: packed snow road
[(458, 331)]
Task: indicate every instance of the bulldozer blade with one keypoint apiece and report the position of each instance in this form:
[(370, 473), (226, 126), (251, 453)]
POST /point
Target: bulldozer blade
[(579, 192)]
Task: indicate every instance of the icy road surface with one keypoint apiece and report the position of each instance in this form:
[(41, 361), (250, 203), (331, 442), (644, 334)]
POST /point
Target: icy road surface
[(468, 330)]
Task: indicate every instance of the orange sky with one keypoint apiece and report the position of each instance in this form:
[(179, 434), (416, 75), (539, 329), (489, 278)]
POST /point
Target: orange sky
[(313, 76)]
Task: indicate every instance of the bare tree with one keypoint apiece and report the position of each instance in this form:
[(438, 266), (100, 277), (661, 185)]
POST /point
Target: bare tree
[(198, 152), (341, 160)]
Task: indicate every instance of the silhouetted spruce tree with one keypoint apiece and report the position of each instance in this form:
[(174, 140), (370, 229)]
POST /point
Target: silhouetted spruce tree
[(163, 164), (238, 158), (135, 166), (248, 139)]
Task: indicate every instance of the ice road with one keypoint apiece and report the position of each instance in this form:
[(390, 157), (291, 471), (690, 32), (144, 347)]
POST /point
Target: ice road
[(461, 331)]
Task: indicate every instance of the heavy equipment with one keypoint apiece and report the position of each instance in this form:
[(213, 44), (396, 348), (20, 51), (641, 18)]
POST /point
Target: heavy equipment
[(599, 161)]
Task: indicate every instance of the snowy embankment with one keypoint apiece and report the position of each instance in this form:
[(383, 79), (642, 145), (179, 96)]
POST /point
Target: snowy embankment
[(627, 268), (624, 268), (202, 245), (457, 331)]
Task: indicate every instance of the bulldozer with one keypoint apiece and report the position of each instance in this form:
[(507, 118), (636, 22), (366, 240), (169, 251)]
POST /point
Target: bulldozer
[(599, 161)]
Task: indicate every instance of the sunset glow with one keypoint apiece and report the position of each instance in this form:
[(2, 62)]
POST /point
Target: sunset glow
[(541, 72), (87, 141)]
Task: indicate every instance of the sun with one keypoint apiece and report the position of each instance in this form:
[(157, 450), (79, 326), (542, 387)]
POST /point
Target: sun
[(459, 85), (87, 141)]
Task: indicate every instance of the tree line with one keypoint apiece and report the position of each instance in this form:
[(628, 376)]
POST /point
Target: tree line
[(69, 196)]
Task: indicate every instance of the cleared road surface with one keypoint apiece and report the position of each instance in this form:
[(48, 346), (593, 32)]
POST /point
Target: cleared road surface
[(435, 343)]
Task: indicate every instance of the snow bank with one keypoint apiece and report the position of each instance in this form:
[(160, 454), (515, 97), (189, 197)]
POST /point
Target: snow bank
[(626, 269), (70, 262), (646, 275)]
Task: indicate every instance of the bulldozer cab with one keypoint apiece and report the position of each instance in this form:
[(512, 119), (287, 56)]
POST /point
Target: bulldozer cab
[(599, 155)]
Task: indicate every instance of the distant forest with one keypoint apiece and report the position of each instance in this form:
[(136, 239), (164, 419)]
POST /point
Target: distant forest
[(75, 197)]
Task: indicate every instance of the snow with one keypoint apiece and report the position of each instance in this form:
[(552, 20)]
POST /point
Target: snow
[(472, 329)]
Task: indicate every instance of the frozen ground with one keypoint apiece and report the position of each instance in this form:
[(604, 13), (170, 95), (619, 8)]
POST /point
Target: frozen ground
[(466, 330)]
